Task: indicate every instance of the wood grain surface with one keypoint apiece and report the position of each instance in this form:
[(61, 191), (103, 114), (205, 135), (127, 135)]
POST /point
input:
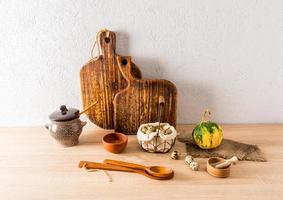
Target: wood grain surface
[(138, 103), (101, 80), (34, 166)]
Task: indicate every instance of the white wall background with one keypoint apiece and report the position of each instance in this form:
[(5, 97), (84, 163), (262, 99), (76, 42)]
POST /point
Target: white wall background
[(225, 55)]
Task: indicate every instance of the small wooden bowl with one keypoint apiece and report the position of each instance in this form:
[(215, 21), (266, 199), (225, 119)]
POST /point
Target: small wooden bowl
[(219, 173), (115, 142)]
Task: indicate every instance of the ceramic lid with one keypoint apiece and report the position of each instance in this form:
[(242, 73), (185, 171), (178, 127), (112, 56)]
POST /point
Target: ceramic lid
[(64, 114)]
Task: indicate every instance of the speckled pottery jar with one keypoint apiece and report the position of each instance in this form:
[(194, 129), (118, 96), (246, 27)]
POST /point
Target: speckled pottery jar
[(66, 133), (65, 126)]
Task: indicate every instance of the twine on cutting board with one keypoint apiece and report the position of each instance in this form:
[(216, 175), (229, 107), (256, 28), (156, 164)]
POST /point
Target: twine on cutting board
[(96, 43)]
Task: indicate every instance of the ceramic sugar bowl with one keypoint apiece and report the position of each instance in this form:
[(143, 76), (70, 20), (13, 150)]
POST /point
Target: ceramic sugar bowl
[(65, 126)]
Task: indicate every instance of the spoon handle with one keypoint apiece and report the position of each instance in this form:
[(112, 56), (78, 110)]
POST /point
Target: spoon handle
[(124, 164), (95, 165), (89, 107)]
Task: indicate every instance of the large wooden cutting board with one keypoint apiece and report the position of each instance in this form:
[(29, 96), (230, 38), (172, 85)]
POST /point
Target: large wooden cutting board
[(101, 80), (138, 103)]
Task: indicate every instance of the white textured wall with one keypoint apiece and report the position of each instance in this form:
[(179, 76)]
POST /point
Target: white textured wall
[(224, 55)]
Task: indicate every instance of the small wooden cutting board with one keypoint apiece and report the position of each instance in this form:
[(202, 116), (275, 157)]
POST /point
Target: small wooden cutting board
[(138, 103), (102, 80)]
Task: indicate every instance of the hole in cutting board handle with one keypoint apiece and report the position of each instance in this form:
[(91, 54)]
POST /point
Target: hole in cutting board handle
[(124, 61), (107, 39)]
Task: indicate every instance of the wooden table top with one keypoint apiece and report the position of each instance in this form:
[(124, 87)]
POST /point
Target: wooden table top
[(34, 166)]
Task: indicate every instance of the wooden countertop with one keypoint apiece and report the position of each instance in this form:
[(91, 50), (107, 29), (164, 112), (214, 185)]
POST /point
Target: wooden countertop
[(34, 166)]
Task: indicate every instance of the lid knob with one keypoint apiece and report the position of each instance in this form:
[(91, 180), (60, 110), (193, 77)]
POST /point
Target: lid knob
[(64, 114), (63, 109)]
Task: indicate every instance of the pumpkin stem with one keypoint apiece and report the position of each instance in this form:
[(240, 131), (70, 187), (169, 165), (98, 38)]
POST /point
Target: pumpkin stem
[(205, 115)]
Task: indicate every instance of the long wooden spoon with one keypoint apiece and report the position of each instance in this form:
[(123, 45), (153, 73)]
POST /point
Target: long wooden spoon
[(157, 171), (89, 107), (103, 166)]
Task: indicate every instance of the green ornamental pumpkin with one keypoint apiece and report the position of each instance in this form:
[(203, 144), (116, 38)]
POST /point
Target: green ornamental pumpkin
[(206, 134)]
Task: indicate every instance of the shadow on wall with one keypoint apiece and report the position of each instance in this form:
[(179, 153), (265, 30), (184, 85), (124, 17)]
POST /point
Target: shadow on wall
[(193, 97), (122, 43), (150, 68)]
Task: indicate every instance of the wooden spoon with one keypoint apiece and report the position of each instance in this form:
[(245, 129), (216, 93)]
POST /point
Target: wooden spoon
[(103, 166), (157, 171), (89, 107)]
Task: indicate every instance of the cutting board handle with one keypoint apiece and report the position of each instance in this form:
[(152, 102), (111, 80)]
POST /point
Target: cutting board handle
[(106, 43), (124, 63), (161, 102)]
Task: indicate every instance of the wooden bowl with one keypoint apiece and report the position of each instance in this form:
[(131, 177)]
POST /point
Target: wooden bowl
[(219, 173), (115, 142)]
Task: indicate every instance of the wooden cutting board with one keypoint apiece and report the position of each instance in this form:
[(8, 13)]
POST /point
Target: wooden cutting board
[(101, 80), (139, 102)]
